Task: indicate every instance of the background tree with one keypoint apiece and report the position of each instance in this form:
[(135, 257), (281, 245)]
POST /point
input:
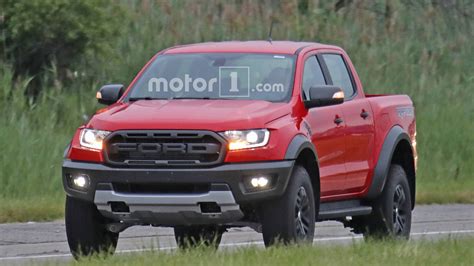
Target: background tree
[(36, 34)]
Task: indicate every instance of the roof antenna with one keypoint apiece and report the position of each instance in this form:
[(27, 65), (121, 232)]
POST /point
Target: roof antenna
[(270, 33)]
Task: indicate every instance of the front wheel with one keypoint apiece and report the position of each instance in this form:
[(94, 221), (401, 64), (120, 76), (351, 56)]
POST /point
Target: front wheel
[(86, 231), (291, 218)]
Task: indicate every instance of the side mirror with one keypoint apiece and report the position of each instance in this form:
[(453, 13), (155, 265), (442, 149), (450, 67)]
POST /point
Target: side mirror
[(324, 96), (110, 93)]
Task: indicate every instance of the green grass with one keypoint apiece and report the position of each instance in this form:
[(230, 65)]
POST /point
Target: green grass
[(31, 209), (420, 51), (443, 252)]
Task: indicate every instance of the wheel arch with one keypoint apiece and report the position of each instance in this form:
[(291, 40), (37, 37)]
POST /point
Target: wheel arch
[(396, 149), (304, 153), (403, 156)]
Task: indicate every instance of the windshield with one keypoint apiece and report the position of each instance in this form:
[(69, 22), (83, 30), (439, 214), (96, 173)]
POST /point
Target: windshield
[(266, 77)]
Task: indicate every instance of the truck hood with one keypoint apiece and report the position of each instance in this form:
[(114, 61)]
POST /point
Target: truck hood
[(216, 115)]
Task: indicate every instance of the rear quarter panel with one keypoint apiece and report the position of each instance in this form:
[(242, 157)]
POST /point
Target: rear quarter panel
[(389, 111)]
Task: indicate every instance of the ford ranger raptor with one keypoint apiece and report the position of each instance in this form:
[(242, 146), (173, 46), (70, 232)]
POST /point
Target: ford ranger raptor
[(271, 135)]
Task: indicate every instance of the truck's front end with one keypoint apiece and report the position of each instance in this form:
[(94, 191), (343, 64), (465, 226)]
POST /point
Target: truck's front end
[(195, 141)]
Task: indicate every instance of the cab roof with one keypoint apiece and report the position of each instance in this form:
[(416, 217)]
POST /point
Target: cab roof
[(274, 47)]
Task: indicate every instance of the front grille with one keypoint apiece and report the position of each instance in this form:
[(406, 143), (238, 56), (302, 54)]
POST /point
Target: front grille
[(164, 148)]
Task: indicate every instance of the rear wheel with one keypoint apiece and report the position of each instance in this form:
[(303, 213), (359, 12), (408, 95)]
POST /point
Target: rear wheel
[(86, 231), (291, 218), (198, 235), (392, 212)]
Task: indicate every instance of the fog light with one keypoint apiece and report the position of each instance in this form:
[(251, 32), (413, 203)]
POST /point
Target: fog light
[(259, 182), (81, 181)]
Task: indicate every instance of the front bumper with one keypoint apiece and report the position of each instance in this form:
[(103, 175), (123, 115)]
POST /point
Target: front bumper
[(226, 185)]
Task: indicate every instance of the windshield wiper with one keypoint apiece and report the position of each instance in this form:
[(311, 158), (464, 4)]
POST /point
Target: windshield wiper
[(133, 99), (201, 98), (189, 98)]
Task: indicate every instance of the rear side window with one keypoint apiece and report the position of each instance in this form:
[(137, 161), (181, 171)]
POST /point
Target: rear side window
[(339, 73), (312, 75)]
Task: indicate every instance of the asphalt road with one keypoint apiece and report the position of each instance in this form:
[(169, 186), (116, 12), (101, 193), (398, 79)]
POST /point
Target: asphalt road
[(33, 242)]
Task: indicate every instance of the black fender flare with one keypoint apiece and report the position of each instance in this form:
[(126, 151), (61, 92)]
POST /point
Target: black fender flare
[(68, 147), (394, 136), (300, 143), (297, 144)]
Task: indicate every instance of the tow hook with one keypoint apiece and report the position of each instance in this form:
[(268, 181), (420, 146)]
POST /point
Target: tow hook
[(117, 227)]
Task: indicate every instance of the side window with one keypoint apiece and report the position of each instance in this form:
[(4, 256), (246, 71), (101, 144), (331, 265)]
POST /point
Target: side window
[(339, 73), (312, 75)]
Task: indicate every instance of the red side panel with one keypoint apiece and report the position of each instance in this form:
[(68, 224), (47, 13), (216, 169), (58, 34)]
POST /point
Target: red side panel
[(389, 111)]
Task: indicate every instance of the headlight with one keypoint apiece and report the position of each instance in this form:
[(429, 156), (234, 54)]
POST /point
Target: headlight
[(91, 138), (246, 139)]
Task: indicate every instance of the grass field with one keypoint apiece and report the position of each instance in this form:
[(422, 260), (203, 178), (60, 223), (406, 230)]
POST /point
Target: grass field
[(444, 252), (420, 51)]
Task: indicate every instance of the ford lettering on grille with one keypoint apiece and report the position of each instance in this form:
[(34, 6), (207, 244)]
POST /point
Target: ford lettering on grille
[(164, 148)]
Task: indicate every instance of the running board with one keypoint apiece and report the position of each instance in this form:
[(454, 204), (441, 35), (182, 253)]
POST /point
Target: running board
[(342, 209)]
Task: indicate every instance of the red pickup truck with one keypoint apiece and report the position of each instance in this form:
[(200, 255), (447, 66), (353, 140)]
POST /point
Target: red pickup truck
[(272, 135)]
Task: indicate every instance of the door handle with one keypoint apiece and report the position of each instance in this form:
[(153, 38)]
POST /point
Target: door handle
[(338, 120), (364, 114)]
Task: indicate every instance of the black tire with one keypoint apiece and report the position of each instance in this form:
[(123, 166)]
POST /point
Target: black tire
[(391, 217), (197, 236), (86, 231), (291, 218)]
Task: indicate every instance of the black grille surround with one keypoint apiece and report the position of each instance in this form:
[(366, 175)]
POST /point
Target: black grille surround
[(164, 148)]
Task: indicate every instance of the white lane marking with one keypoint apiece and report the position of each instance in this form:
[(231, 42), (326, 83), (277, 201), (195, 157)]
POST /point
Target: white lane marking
[(35, 257), (339, 238), (442, 232)]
